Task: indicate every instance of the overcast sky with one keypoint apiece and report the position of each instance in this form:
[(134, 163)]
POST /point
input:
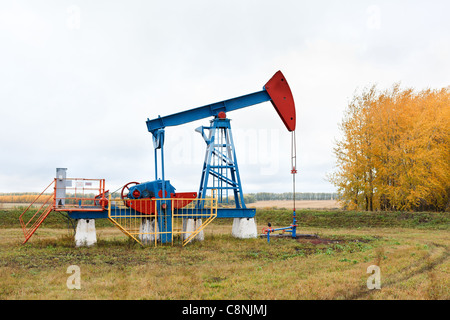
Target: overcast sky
[(78, 80)]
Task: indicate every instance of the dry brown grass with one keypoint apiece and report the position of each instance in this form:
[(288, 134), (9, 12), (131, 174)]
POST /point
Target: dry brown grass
[(414, 265)]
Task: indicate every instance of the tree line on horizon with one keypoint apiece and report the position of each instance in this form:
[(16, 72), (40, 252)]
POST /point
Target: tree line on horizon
[(266, 196), (28, 197), (395, 151)]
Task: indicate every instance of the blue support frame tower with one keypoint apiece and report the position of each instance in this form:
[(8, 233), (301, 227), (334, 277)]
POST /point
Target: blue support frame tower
[(220, 168)]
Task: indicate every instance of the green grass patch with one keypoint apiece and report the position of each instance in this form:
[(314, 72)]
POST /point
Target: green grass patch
[(355, 219), (9, 218)]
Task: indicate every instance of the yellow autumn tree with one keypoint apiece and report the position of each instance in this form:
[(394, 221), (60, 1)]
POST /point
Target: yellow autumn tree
[(395, 150), (355, 168)]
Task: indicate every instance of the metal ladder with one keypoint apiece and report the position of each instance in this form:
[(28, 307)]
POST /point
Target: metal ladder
[(33, 223)]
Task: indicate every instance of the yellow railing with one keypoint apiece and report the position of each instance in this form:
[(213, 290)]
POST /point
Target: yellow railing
[(153, 221)]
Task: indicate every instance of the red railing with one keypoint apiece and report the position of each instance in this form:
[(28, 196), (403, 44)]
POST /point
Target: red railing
[(78, 195), (81, 195)]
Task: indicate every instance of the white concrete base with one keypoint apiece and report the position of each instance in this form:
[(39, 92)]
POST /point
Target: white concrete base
[(146, 228), (189, 226), (85, 234), (244, 228)]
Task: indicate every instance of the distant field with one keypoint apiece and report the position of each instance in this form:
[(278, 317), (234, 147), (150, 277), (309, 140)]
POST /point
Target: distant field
[(10, 205), (300, 204)]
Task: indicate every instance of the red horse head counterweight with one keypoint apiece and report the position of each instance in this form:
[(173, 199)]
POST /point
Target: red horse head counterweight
[(282, 99)]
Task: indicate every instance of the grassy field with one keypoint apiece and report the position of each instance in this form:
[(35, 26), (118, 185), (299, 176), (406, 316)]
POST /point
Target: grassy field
[(411, 249)]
